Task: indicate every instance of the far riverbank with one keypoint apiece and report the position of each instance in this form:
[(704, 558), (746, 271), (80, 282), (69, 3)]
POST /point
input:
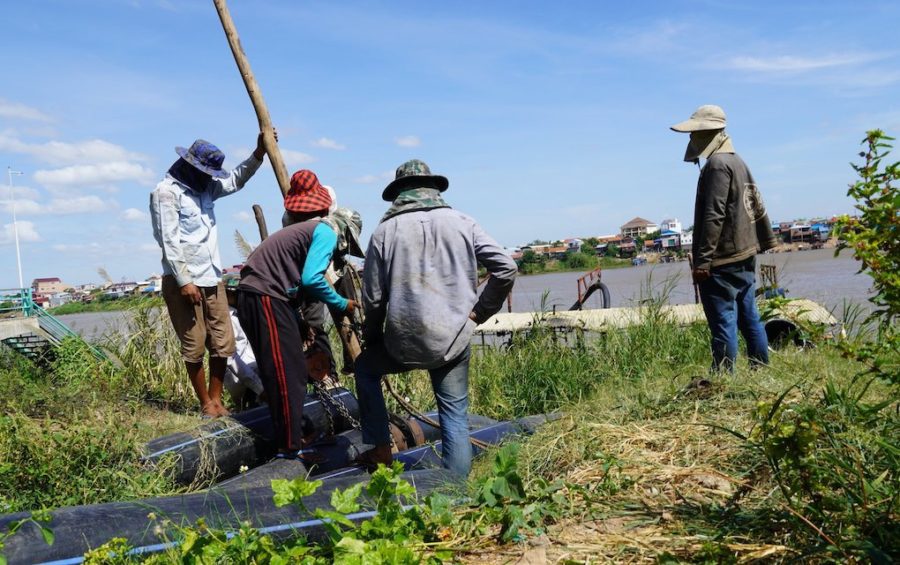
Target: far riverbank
[(814, 274)]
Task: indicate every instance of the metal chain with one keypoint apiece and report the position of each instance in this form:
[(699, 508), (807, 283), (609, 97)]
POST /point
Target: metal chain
[(339, 406), (418, 414), (322, 392)]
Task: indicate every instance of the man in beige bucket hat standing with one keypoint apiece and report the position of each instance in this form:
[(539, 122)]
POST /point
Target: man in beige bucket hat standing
[(730, 227)]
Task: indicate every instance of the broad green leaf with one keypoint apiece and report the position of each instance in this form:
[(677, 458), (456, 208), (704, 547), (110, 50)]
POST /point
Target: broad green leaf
[(350, 546), (345, 501), (333, 516), (47, 534)]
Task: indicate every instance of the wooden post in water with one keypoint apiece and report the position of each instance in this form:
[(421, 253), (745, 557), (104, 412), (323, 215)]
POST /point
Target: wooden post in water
[(259, 104)]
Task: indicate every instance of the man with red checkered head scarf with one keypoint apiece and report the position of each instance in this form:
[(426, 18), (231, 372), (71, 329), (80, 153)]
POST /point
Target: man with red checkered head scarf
[(285, 270)]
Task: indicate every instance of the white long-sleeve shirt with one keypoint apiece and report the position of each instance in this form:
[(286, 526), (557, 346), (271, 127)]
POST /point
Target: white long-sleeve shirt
[(184, 224), (241, 367)]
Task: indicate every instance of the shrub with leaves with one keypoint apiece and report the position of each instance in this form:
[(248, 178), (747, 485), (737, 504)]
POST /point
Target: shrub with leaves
[(836, 461), (504, 498), (874, 237)]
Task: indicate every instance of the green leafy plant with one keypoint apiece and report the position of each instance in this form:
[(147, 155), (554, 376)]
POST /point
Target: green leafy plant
[(504, 497), (836, 462), (38, 518), (874, 237)]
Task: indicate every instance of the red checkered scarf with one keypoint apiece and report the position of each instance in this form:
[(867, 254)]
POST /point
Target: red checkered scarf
[(306, 193)]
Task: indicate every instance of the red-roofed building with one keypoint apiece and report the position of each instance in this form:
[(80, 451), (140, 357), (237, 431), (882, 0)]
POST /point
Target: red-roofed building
[(48, 286)]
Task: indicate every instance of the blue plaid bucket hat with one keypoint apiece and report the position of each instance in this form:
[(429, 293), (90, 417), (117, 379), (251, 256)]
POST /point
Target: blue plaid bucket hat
[(204, 156)]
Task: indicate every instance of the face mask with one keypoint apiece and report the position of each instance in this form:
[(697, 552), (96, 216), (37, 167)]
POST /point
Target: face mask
[(703, 144), (190, 175)]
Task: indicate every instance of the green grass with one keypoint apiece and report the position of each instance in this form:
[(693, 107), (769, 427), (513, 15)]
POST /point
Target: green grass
[(585, 263), (662, 468), (99, 305), (655, 471), (71, 433)]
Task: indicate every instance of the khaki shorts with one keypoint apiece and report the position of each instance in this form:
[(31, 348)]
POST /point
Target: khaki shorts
[(202, 326)]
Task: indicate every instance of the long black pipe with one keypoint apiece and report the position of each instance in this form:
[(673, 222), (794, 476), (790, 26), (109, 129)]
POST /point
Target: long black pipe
[(78, 529), (218, 449)]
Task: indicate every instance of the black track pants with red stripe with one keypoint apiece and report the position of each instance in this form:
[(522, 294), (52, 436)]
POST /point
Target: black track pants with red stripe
[(273, 331)]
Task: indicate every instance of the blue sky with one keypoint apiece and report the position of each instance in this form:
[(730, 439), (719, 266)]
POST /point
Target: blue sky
[(550, 119)]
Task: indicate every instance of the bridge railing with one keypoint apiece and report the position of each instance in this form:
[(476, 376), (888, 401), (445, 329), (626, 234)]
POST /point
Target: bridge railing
[(56, 330), (16, 301), (19, 302)]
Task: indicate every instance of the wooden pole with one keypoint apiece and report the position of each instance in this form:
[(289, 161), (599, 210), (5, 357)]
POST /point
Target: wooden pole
[(259, 104), (696, 288), (350, 286), (260, 222), (348, 337)]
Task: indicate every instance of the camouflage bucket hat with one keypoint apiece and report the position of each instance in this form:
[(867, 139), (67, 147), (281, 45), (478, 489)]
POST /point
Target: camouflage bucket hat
[(204, 156), (413, 174), (348, 225)]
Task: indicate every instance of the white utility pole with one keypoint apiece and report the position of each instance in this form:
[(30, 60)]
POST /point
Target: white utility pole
[(12, 199)]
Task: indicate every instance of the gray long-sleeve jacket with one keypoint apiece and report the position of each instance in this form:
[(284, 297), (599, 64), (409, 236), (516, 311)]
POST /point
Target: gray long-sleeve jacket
[(419, 284), (730, 220)]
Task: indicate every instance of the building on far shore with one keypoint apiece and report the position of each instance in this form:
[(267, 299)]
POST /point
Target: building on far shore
[(670, 224), (637, 228), (48, 286)]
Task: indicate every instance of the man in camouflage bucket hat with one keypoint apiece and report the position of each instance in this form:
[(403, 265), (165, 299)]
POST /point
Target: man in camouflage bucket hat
[(730, 227), (184, 225), (421, 305)]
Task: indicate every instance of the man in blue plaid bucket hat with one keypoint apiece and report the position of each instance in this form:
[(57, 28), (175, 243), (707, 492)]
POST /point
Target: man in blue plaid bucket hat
[(184, 225)]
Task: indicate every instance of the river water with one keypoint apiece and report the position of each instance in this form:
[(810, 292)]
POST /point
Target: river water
[(813, 274)]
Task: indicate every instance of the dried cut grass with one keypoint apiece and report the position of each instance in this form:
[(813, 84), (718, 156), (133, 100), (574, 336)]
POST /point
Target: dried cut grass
[(661, 479)]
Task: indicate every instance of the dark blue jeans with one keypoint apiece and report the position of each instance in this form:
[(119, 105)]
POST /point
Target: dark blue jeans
[(450, 384), (729, 301)]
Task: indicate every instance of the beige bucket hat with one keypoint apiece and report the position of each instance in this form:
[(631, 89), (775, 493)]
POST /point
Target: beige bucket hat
[(707, 117)]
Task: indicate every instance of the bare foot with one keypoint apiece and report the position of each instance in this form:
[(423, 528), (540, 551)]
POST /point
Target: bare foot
[(210, 410), (220, 409)]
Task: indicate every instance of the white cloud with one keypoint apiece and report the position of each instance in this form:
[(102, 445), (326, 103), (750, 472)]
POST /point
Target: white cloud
[(9, 109), (408, 141), (24, 207), (243, 216), (371, 179), (26, 230), (21, 193), (294, 159), (134, 215), (792, 64), (61, 206), (103, 173), (62, 153), (327, 143), (78, 205)]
